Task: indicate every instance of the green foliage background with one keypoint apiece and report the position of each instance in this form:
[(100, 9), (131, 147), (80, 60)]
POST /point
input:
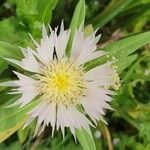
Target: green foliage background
[(125, 26)]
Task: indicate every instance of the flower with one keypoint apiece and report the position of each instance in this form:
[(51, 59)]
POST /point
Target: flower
[(61, 83)]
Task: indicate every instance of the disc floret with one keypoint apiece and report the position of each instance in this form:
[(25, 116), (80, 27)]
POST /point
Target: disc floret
[(62, 82)]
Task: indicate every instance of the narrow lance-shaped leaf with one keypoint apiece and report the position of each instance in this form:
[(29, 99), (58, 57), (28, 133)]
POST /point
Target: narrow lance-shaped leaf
[(125, 62), (113, 9), (127, 46), (77, 20)]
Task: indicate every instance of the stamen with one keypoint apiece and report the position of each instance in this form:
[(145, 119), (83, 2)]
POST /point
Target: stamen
[(62, 82)]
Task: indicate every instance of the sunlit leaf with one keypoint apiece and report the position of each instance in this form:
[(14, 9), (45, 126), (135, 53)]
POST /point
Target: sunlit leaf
[(5, 134), (10, 116)]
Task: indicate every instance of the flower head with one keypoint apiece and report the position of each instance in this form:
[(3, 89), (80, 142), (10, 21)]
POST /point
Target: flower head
[(62, 84)]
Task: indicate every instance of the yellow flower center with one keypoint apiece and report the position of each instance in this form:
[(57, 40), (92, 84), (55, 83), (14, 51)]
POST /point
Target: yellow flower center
[(62, 82)]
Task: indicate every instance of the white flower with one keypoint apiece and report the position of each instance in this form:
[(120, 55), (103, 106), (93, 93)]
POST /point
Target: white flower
[(61, 84)]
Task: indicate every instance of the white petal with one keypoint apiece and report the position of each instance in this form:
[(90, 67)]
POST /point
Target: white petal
[(61, 120), (98, 38), (92, 56), (95, 102), (27, 97), (62, 26), (29, 63), (93, 108), (101, 75), (83, 48), (24, 80), (46, 114), (61, 42), (45, 49), (27, 87), (77, 43), (72, 118)]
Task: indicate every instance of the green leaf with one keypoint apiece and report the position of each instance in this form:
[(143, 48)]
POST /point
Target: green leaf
[(86, 140), (135, 17), (113, 9), (10, 117), (77, 20), (26, 11), (6, 99), (3, 65), (33, 13), (123, 63), (120, 49), (127, 77), (45, 8), (9, 51), (5, 134), (127, 46), (129, 119), (23, 134), (138, 3), (12, 32)]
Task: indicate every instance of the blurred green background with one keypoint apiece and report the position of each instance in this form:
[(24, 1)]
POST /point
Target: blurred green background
[(129, 126)]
